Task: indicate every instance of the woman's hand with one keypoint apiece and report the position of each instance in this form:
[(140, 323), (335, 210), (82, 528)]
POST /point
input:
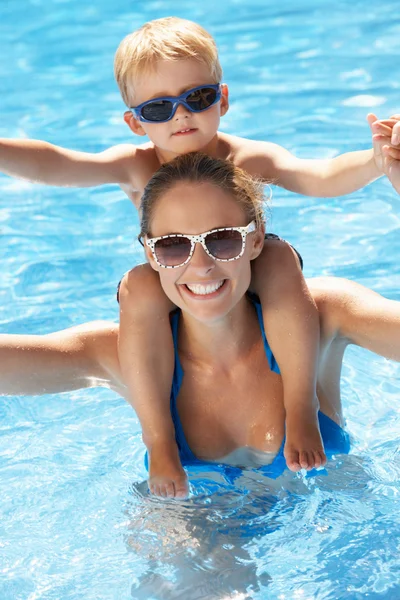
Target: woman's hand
[(386, 144), (392, 153)]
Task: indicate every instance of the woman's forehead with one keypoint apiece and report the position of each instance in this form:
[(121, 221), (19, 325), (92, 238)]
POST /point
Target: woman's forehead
[(190, 207)]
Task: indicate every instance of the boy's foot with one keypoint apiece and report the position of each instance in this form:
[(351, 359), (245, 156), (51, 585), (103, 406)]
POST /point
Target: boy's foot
[(167, 477), (304, 448)]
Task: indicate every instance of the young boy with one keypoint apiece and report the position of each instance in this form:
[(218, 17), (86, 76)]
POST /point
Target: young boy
[(169, 76)]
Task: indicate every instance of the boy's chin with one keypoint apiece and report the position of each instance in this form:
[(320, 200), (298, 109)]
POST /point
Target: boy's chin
[(194, 143), (180, 149)]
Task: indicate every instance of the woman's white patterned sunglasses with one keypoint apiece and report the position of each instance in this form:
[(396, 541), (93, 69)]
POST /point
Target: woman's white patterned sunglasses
[(224, 244)]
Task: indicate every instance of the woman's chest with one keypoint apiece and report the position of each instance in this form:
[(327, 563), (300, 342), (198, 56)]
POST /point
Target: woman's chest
[(221, 411)]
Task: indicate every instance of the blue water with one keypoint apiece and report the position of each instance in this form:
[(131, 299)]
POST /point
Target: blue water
[(75, 518)]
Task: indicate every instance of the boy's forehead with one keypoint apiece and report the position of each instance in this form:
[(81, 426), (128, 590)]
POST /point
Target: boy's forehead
[(171, 78)]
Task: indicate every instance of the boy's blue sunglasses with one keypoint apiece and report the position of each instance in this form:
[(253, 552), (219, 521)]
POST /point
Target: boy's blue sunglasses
[(160, 110)]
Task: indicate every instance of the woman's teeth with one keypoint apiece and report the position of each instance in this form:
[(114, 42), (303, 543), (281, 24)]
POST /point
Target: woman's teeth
[(203, 289)]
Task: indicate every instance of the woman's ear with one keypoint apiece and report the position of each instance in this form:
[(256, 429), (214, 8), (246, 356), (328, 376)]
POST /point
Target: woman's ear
[(224, 102), (258, 242), (133, 123), (149, 256)]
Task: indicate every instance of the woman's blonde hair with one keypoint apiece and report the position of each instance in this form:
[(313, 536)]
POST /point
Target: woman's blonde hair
[(197, 168), (169, 38)]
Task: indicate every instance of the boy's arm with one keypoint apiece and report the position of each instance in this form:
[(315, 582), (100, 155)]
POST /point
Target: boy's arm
[(311, 177), (326, 178), (45, 163)]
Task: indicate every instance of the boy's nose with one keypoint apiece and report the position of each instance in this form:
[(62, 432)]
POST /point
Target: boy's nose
[(181, 112)]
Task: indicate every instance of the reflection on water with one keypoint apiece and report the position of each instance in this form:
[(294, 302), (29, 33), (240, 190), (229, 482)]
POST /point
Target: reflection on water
[(298, 76), (197, 548), (256, 537)]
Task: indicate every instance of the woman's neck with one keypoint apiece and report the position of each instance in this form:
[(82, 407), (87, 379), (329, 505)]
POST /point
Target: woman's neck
[(221, 342)]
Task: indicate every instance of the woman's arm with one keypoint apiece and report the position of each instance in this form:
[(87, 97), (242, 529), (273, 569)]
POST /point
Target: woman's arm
[(79, 357), (360, 316)]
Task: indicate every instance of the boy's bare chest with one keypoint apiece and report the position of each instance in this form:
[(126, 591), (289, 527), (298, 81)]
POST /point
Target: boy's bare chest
[(237, 150), (224, 411), (145, 165)]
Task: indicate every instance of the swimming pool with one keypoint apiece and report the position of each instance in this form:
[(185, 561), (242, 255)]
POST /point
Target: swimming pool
[(75, 520)]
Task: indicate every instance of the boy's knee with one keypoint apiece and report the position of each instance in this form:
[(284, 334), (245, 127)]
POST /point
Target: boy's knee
[(140, 287), (279, 253), (138, 284)]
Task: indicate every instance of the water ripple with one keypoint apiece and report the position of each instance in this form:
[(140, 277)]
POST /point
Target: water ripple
[(76, 518)]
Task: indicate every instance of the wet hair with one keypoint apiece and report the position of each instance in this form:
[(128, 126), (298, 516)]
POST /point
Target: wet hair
[(198, 168), (169, 38)]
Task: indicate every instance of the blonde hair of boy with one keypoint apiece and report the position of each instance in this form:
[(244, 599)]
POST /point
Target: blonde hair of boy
[(170, 38)]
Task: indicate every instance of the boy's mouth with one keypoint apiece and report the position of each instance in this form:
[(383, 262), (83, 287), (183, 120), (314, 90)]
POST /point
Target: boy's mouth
[(186, 131)]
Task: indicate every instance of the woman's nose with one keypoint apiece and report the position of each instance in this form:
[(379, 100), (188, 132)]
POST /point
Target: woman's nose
[(200, 259)]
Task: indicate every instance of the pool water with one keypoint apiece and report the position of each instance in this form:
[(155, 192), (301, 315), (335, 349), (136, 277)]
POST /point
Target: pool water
[(76, 521)]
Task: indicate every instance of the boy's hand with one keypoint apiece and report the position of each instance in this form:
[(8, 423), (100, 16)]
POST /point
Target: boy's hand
[(386, 144)]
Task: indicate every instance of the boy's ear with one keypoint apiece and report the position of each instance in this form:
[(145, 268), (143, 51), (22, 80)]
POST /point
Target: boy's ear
[(133, 123), (258, 242), (224, 102)]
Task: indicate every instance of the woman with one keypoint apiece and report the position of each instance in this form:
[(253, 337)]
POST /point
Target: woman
[(226, 398)]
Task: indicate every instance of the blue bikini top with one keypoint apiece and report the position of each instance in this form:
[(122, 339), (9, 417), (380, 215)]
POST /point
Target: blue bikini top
[(336, 440)]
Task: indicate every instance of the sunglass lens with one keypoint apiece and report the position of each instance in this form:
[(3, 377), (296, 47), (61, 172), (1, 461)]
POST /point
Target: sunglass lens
[(172, 251), (157, 111), (224, 244), (201, 99)]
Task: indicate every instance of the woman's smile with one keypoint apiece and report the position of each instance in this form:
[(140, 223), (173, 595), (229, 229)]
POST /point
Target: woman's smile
[(206, 290)]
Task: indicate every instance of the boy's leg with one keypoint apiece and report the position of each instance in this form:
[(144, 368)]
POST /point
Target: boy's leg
[(146, 356), (292, 328)]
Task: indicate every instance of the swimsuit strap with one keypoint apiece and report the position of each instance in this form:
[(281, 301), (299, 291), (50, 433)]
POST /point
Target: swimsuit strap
[(336, 439), (185, 452), (273, 365)]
